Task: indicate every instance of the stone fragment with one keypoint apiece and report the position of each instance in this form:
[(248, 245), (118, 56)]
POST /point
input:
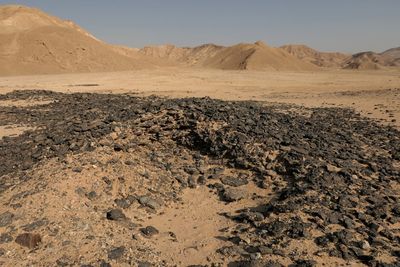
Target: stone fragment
[(149, 231), (5, 238), (125, 203), (35, 225), (234, 194), (116, 253), (149, 202), (234, 181), (6, 218), (28, 240), (115, 215)]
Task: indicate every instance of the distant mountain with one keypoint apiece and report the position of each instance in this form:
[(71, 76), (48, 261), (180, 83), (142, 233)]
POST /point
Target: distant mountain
[(364, 61), (33, 42), (257, 56), (321, 59), (392, 57), (371, 60)]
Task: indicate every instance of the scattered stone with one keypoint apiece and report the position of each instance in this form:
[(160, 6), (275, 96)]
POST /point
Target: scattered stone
[(250, 216), (192, 182), (264, 250), (115, 215), (251, 263), (77, 169), (234, 194), (116, 253), (201, 180), (332, 165), (92, 195), (144, 264), (107, 181), (28, 240), (332, 168), (80, 191), (255, 256), (215, 173), (229, 251), (149, 202), (304, 263), (35, 225), (273, 264), (234, 181), (5, 238), (104, 264), (271, 173), (365, 245), (149, 231), (6, 218), (125, 203)]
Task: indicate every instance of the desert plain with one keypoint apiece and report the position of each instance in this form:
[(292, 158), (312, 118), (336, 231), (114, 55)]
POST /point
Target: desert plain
[(373, 93), (246, 155)]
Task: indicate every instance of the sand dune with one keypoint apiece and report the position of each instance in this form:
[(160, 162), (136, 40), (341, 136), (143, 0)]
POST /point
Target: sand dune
[(321, 59)]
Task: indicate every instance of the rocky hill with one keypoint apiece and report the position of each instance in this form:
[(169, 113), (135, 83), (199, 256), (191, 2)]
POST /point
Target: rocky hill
[(257, 56), (364, 61), (321, 59), (392, 56), (36, 43)]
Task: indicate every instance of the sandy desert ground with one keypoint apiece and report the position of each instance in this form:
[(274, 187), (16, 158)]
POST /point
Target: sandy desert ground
[(376, 94), (119, 180), (244, 155)]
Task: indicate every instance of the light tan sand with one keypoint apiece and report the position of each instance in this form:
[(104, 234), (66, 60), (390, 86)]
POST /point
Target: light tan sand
[(375, 94), (12, 130), (199, 230)]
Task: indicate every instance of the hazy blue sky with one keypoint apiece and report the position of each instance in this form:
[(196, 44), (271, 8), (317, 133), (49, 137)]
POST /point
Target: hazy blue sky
[(330, 25)]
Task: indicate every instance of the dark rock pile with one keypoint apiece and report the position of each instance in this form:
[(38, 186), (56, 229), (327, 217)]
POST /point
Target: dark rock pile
[(335, 175)]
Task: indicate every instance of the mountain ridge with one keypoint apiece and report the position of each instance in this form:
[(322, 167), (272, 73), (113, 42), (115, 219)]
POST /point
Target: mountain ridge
[(34, 42)]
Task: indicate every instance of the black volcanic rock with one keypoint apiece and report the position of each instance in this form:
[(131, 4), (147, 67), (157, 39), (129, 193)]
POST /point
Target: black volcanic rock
[(331, 169), (6, 218), (115, 215), (234, 181), (116, 253)]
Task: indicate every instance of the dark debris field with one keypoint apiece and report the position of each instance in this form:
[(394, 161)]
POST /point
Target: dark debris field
[(335, 175)]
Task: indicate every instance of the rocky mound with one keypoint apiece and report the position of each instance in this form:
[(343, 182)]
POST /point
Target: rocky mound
[(364, 61), (257, 56), (185, 55), (36, 43), (321, 59), (85, 186), (392, 57)]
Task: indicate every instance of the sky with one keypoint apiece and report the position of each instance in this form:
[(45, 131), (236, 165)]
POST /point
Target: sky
[(341, 25)]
